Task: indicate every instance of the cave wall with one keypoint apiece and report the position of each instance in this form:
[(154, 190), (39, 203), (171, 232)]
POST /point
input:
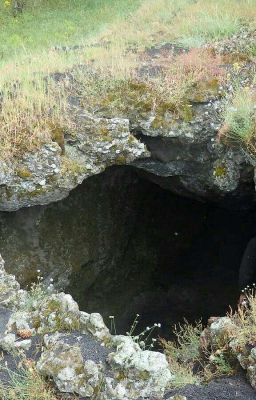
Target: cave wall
[(90, 229)]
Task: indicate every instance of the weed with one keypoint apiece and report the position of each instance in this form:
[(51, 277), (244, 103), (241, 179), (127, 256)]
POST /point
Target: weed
[(240, 119), (144, 338), (185, 348), (191, 363), (28, 111), (26, 384), (245, 321), (37, 293), (183, 353)]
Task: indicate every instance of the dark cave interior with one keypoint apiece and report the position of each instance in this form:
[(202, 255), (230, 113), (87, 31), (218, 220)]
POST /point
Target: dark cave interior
[(122, 245), (186, 267)]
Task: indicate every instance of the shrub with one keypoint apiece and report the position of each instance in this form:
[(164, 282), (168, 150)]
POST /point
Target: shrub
[(185, 347), (245, 321), (190, 362), (183, 353)]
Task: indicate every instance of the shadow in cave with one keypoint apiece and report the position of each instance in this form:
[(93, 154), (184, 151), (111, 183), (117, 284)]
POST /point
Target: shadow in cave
[(122, 245), (180, 259)]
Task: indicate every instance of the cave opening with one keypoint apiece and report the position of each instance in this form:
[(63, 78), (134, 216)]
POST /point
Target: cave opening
[(122, 245)]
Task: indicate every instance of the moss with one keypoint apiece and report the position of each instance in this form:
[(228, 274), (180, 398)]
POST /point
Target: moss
[(220, 170), (52, 306), (204, 90), (51, 179), (60, 324), (121, 159), (236, 57), (144, 375), (23, 173), (158, 122), (186, 112), (36, 322), (107, 138), (103, 131), (71, 166), (131, 139), (121, 375), (57, 135), (39, 190)]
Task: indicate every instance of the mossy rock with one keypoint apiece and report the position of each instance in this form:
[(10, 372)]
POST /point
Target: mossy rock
[(220, 170), (203, 91), (57, 135), (23, 173)]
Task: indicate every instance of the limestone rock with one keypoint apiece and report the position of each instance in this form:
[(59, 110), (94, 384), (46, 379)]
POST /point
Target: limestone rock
[(80, 355), (221, 326), (96, 326), (65, 365), (148, 372), (9, 287), (47, 175)]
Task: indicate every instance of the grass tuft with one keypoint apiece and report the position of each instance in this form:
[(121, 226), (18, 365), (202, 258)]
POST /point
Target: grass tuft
[(240, 120), (26, 384)]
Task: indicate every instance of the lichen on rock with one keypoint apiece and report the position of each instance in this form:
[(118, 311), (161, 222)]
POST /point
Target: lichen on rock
[(78, 352)]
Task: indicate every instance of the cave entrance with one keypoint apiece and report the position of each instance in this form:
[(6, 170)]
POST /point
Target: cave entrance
[(122, 245), (179, 257)]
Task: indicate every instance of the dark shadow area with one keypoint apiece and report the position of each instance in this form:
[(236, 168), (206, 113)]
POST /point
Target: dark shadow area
[(122, 245), (181, 261)]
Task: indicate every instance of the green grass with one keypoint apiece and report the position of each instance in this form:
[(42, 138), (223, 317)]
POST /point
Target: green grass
[(240, 120), (26, 384), (214, 20), (57, 23), (28, 54)]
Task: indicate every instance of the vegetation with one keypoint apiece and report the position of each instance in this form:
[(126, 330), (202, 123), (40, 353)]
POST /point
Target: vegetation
[(52, 36), (191, 362), (193, 76), (196, 356), (245, 322), (183, 353), (240, 119), (26, 384), (37, 294)]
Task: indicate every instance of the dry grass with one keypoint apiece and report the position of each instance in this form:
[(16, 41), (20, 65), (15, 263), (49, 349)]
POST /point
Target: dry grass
[(27, 58), (245, 322), (29, 112), (26, 384), (125, 91)]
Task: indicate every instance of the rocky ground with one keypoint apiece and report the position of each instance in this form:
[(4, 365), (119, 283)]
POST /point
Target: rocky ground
[(77, 352), (75, 349), (233, 388), (181, 154)]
